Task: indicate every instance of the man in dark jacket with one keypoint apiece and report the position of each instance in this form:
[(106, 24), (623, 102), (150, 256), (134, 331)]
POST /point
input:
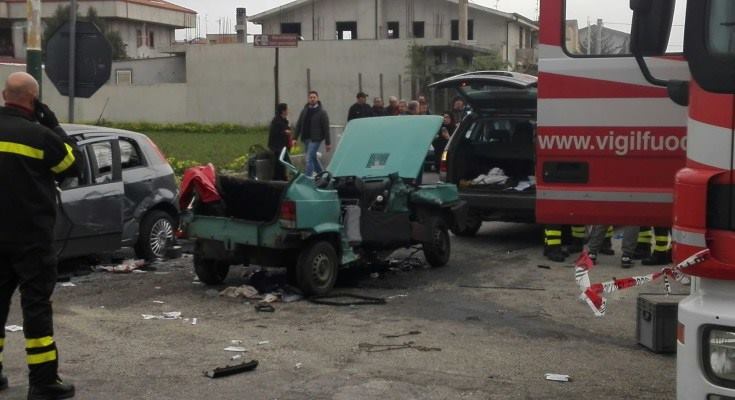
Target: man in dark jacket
[(378, 108), (360, 109), (279, 138), (34, 152), (313, 128)]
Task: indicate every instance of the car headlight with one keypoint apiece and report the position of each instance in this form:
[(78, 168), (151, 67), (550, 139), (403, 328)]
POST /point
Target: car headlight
[(719, 353)]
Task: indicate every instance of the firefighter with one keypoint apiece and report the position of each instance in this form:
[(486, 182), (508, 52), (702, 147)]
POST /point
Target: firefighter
[(661, 254), (553, 249), (576, 242), (34, 152), (607, 248), (643, 249)]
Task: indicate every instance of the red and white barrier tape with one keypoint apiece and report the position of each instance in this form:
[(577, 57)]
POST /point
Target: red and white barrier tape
[(593, 293)]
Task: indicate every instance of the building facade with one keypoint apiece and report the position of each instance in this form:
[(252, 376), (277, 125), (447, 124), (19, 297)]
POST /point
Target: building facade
[(432, 23), (146, 26)]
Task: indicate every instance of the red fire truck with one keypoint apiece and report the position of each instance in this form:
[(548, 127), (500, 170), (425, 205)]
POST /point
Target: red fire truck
[(648, 139)]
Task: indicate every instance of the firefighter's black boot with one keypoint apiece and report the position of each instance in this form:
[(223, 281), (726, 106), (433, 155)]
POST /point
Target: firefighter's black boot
[(642, 251), (53, 391), (555, 254), (626, 262), (606, 248), (3, 382), (658, 258)]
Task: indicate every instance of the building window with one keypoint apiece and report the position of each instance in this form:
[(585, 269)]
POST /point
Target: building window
[(292, 28), (470, 29), (347, 30), (393, 30), (418, 29), (151, 40), (139, 37)]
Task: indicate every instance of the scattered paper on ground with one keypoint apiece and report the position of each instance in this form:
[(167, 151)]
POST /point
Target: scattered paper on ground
[(127, 266)]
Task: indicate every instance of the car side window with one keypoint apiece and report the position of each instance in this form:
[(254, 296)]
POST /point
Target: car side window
[(101, 154), (72, 182), (130, 155)]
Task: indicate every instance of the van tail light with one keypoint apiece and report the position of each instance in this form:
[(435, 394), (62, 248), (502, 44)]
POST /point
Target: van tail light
[(158, 151), (443, 163), (288, 214), (680, 333)]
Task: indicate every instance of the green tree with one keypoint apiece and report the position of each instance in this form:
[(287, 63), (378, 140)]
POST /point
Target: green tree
[(418, 67), (61, 16)]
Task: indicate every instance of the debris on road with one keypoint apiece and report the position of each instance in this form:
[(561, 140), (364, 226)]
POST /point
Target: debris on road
[(412, 333), (396, 296), (193, 321), (299, 365), (236, 357), (557, 377), (502, 287), (244, 291), (271, 298), (231, 370), (359, 300), (236, 349), (291, 297), (167, 315), (262, 307), (67, 284), (13, 328), (544, 266), (158, 302), (236, 342), (125, 267), (376, 348), (263, 342)]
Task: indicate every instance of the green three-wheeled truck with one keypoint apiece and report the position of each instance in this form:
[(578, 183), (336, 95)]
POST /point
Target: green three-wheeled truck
[(365, 205)]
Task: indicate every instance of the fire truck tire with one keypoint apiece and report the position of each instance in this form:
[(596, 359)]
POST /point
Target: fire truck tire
[(317, 267)]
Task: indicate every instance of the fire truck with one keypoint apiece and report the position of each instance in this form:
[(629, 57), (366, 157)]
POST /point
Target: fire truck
[(647, 138)]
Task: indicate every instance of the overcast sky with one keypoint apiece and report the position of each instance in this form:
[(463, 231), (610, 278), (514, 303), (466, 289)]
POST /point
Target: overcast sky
[(615, 13)]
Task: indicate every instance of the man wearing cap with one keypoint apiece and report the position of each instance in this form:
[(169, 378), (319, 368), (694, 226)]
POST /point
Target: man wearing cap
[(361, 109)]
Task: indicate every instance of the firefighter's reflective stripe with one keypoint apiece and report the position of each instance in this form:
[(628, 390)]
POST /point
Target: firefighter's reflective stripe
[(2, 346), (694, 239), (662, 243), (40, 342), (35, 359), (21, 150), (66, 162), (552, 237), (579, 231), (40, 350), (620, 197), (645, 236), (609, 232)]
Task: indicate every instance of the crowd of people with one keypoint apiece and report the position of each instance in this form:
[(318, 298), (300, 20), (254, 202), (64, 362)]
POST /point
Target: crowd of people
[(312, 125)]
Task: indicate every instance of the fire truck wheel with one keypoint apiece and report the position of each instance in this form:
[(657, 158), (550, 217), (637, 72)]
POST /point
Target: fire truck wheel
[(317, 268)]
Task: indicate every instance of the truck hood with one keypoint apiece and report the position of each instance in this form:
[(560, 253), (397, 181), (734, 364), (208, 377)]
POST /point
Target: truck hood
[(377, 147)]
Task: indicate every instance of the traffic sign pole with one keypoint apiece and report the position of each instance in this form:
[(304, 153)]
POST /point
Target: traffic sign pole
[(72, 56), (33, 49), (275, 69)]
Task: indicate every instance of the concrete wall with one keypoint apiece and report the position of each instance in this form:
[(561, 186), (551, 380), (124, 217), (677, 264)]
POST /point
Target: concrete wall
[(152, 71), (234, 83)]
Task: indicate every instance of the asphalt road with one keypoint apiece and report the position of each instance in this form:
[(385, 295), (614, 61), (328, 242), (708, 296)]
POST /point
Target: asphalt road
[(473, 343)]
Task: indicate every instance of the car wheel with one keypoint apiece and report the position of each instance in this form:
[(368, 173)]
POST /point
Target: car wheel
[(317, 268), (438, 248), (211, 272), (472, 226), (155, 234)]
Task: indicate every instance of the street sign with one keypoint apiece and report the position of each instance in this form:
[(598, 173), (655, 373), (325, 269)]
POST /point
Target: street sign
[(285, 40), (93, 59)]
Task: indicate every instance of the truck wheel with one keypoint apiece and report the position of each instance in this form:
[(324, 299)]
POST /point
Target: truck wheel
[(211, 272), (317, 268), (472, 225), (156, 232), (438, 249)]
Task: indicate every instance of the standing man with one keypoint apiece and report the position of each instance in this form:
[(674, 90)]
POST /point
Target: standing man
[(378, 108), (392, 108), (34, 152), (412, 108), (458, 111), (279, 137), (423, 106), (360, 109), (313, 128)]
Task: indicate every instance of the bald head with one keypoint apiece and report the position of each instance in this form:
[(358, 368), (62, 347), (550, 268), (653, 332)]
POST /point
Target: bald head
[(21, 88)]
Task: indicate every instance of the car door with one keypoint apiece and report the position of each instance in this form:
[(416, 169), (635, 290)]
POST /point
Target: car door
[(609, 143), (90, 218)]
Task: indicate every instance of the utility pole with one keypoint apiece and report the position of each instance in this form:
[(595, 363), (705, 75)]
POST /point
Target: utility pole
[(72, 56), (33, 49)]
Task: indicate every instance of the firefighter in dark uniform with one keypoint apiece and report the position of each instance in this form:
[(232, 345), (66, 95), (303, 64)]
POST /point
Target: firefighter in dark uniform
[(34, 153)]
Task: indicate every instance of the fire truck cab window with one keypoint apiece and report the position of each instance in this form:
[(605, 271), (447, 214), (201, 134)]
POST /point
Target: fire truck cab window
[(721, 35), (601, 28)]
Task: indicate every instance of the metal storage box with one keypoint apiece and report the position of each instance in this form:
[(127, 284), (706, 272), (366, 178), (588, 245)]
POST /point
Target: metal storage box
[(656, 322)]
